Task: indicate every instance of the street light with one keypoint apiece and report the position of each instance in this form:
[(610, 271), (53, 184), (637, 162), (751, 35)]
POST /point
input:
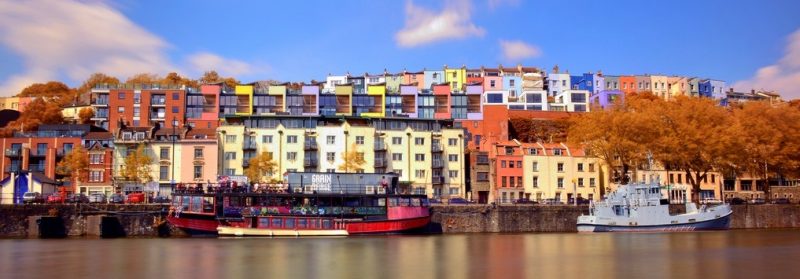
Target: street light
[(574, 193), (172, 164)]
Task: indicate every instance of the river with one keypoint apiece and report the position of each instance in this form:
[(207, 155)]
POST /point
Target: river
[(727, 254)]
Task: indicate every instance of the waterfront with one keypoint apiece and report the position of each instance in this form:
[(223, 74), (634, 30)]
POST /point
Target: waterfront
[(726, 254)]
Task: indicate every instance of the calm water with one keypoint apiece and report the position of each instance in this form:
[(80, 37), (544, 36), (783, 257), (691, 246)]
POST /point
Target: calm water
[(732, 254)]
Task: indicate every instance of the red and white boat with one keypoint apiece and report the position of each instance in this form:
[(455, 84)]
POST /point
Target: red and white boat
[(314, 209)]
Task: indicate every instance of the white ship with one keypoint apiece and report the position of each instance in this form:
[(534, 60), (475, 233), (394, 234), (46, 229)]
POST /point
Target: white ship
[(638, 208)]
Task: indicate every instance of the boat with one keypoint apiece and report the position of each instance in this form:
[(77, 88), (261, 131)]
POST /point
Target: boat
[(638, 208), (309, 204)]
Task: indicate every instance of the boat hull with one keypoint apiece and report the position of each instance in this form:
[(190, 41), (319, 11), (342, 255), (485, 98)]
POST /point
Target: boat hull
[(721, 223), (197, 225)]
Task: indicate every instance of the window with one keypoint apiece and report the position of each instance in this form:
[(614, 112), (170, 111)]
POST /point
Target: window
[(266, 139), (163, 173), (519, 164), (592, 182), (452, 157), (397, 140), (198, 153), (198, 172), (564, 82), (591, 167), (483, 176), (511, 82), (164, 153), (419, 141), (511, 164), (419, 173), (230, 171), (671, 178), (419, 157), (360, 140), (580, 166), (95, 158), (175, 109), (560, 182), (291, 139), (330, 139), (95, 176), (580, 182), (503, 182), (230, 138), (503, 164), (398, 172), (560, 167), (452, 142), (136, 112), (557, 151), (453, 174), (535, 182), (397, 156), (330, 156), (176, 96), (291, 156), (713, 178), (535, 166), (121, 96), (121, 109), (230, 155)]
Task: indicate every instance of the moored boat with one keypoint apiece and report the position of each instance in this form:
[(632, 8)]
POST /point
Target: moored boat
[(638, 208), (319, 208)]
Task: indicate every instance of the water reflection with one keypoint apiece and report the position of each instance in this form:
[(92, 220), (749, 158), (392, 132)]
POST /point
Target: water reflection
[(754, 254)]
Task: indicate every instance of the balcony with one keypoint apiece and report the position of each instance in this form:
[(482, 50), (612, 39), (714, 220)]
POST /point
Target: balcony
[(38, 153), (249, 145), (436, 147), (36, 168), (380, 163), (310, 145), (100, 102), (380, 146), (437, 163), (15, 169), (158, 102), (310, 162), (437, 180), (12, 152)]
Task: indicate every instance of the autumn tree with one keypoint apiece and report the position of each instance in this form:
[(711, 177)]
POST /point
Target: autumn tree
[(770, 140), (85, 115), (74, 165), (136, 166), (696, 137), (259, 166), (53, 92), (144, 78), (94, 80), (620, 135), (176, 79), (214, 77), (36, 113), (538, 130), (352, 160)]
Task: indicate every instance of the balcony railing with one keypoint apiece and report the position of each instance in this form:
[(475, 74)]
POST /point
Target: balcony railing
[(437, 163), (100, 102), (12, 152), (249, 145), (438, 180), (310, 145), (38, 153), (380, 146), (380, 163), (436, 147), (310, 162)]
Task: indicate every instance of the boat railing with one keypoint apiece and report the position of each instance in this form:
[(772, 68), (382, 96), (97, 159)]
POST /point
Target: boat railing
[(290, 188)]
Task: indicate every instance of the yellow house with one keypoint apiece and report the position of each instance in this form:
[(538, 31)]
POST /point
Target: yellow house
[(244, 99), (561, 173), (676, 185), (456, 77)]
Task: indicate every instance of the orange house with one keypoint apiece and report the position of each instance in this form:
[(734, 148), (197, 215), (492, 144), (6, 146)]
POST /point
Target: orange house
[(627, 84)]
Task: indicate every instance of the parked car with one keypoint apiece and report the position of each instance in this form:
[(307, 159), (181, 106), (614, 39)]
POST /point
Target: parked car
[(524, 201), (434, 201), (135, 198), (737, 201), (552, 202), (116, 198), (55, 198), (757, 201), (161, 199), (458, 201), (32, 197), (77, 198), (781, 201), (97, 198)]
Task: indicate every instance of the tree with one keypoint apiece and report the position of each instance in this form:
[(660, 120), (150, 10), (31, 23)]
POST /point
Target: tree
[(260, 165), (74, 165), (53, 92), (537, 130), (94, 80), (37, 112), (85, 115), (695, 136), (213, 77), (144, 78), (619, 135), (176, 79), (136, 167), (771, 140), (352, 160)]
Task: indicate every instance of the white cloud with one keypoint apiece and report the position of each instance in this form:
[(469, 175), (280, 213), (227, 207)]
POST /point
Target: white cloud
[(514, 51), (73, 39), (497, 3), (424, 26), (204, 61), (784, 76)]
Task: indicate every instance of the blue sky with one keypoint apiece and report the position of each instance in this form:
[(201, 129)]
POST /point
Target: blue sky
[(294, 41)]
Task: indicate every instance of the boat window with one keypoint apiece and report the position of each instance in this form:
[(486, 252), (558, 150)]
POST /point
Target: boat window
[(313, 223), (197, 204), (382, 202), (289, 223), (185, 204), (236, 201), (208, 204), (277, 222), (263, 222), (415, 202), (248, 201), (302, 223), (176, 201), (326, 224), (425, 202), (404, 202), (393, 202)]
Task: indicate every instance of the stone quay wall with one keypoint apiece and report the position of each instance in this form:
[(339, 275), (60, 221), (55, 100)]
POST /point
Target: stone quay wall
[(39, 221)]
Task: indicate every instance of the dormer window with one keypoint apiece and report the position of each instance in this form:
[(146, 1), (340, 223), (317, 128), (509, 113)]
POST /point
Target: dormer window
[(532, 151), (509, 150), (126, 135), (140, 136), (557, 151)]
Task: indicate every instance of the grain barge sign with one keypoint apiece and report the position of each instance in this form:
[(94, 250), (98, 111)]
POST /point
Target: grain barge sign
[(322, 182)]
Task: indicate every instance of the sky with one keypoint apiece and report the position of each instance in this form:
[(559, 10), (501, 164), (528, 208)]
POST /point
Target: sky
[(749, 44)]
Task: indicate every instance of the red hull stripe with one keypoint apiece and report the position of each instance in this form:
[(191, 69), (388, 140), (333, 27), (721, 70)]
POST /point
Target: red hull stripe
[(387, 226)]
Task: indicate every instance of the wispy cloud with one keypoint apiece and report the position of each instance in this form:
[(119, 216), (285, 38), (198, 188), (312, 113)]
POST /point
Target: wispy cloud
[(783, 76), (424, 26), (202, 61), (74, 39), (514, 51), (493, 4)]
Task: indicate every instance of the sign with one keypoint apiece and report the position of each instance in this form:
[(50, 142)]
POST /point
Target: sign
[(240, 179)]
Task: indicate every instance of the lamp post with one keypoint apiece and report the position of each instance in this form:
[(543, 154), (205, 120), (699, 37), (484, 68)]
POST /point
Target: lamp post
[(172, 164), (574, 193)]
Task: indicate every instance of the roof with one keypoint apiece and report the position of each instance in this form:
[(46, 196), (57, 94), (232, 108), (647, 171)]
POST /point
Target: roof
[(37, 177), (98, 136), (209, 133)]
